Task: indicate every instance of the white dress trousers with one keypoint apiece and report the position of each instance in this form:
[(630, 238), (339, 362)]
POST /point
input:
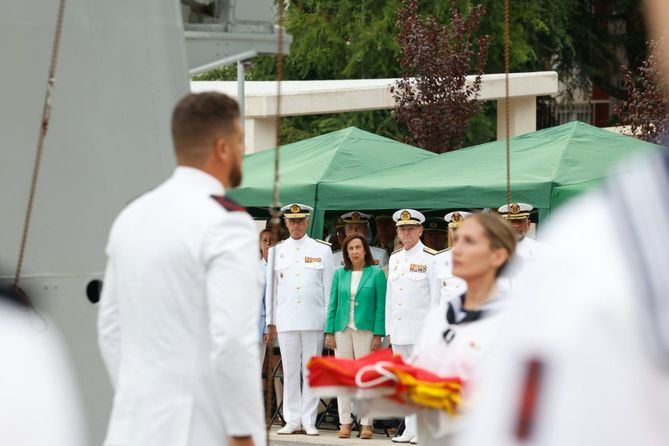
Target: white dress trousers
[(297, 348), (405, 351), (352, 344)]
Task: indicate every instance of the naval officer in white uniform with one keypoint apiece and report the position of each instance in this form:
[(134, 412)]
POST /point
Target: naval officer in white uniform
[(358, 223), (299, 277), (179, 309), (518, 214), (450, 286), (413, 288)]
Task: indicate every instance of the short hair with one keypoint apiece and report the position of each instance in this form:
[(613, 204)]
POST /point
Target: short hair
[(499, 232), (198, 120), (369, 259)]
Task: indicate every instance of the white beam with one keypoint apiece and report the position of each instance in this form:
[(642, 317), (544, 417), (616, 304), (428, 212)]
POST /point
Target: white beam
[(337, 96), (522, 116), (259, 134)]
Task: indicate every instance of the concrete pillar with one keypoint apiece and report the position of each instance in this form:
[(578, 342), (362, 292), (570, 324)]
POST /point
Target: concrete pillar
[(522, 116), (260, 134)]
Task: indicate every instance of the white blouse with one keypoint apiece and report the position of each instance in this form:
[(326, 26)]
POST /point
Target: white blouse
[(355, 281)]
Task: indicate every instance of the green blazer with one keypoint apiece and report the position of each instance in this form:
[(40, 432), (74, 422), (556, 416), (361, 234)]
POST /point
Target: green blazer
[(370, 301)]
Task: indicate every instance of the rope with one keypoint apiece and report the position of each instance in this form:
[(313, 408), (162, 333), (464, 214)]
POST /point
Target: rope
[(44, 128), (275, 213), (507, 63)]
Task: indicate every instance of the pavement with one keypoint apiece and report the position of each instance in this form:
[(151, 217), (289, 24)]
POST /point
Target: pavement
[(326, 437)]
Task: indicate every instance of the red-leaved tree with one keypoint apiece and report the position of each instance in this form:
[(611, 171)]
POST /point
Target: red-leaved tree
[(646, 107), (433, 98)]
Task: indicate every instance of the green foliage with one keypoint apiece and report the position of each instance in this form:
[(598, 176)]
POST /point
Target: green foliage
[(356, 39)]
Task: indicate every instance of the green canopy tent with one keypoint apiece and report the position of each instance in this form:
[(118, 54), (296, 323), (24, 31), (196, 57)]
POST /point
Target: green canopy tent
[(306, 165), (547, 167)]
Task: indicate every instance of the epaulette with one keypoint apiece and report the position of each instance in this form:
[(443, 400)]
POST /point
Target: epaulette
[(228, 204), (443, 250), (323, 242), (396, 251), (429, 250)]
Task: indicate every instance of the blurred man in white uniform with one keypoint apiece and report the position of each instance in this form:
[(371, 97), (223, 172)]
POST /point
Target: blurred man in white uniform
[(585, 360), (39, 405), (576, 366), (299, 277), (179, 309)]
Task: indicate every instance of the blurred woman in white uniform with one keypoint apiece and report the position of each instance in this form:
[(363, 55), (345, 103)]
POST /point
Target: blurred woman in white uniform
[(458, 334)]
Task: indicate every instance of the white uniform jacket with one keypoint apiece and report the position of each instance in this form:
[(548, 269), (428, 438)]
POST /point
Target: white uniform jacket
[(529, 249), (379, 254), (583, 333), (455, 350), (450, 286), (299, 278), (413, 288), (178, 318)]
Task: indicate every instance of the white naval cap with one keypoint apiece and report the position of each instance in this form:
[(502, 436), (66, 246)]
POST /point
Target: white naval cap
[(356, 218), (515, 211), (455, 218), (296, 210), (408, 217)]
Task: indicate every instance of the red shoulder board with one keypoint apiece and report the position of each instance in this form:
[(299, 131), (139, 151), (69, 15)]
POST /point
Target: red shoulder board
[(529, 400), (228, 203)]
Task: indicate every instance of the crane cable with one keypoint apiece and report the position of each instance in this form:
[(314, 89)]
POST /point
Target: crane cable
[(44, 128), (275, 212), (507, 63)]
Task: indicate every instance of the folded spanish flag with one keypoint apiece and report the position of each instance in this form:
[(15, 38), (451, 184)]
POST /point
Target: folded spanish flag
[(382, 374)]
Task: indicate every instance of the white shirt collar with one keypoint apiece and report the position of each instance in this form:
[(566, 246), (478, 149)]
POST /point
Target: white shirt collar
[(304, 238), (198, 179), (417, 247)]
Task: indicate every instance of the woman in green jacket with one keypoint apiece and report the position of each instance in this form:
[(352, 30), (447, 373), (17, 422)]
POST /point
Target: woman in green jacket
[(356, 316)]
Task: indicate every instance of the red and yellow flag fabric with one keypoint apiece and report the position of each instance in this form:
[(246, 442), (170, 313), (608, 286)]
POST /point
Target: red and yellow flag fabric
[(399, 381)]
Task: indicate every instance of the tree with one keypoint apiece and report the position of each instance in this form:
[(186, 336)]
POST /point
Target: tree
[(350, 39), (433, 98), (646, 108)]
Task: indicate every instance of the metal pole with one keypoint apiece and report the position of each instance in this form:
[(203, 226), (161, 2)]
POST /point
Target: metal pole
[(240, 90)]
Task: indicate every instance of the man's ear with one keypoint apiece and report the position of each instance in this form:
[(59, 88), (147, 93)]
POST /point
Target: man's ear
[(221, 148)]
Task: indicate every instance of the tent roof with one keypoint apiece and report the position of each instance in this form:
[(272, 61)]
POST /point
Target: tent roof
[(570, 154), (335, 156)]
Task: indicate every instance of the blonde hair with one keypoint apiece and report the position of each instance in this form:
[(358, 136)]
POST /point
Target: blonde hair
[(499, 232)]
